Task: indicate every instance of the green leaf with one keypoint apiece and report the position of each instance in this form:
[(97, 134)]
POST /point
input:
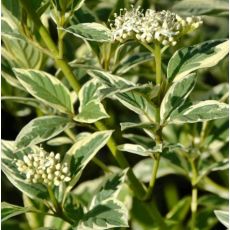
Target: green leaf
[(41, 129), (90, 91), (46, 88), (57, 141), (90, 109), (91, 112), (16, 49), (12, 7), (177, 161), (77, 4), (139, 150), (205, 7), (27, 101), (212, 201), (18, 180), (68, 5), (132, 148), (203, 55), (132, 61), (108, 214), (12, 80), (223, 217), (86, 190), (83, 151), (34, 219), (216, 166), (23, 100), (179, 212), (205, 216), (143, 169), (210, 186), (132, 100), (110, 189), (90, 31), (139, 139), (176, 96), (130, 125), (9, 29), (202, 111), (10, 210)]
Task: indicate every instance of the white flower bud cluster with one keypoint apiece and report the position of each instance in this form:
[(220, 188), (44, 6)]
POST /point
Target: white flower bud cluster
[(127, 24), (43, 167), (163, 27)]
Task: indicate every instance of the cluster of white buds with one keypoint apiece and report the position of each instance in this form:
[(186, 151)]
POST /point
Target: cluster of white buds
[(163, 27), (43, 167)]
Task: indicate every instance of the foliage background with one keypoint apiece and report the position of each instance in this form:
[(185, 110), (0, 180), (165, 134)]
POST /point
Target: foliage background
[(169, 189)]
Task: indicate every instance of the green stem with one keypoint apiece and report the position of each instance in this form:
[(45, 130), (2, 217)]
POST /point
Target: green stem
[(156, 156), (53, 199), (194, 202), (153, 177), (157, 54), (58, 210), (101, 164), (203, 133), (61, 63), (194, 208), (61, 35)]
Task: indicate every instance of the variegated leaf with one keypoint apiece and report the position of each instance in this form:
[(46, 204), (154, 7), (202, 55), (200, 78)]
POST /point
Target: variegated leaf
[(90, 31), (197, 7), (132, 61), (68, 5), (41, 129), (139, 150), (136, 149), (176, 96), (91, 112), (46, 88), (216, 166), (110, 189), (203, 55), (57, 141), (202, 111), (10, 210), (143, 169), (108, 214), (89, 91), (223, 217), (133, 101), (83, 151), (90, 109), (130, 125), (16, 49)]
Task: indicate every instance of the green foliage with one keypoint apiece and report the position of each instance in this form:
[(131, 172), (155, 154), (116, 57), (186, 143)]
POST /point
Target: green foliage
[(9, 210), (186, 60), (46, 88), (90, 31), (223, 217), (206, 7), (41, 129), (79, 89)]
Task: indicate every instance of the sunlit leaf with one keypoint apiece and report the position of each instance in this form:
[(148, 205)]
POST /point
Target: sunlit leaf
[(203, 55)]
